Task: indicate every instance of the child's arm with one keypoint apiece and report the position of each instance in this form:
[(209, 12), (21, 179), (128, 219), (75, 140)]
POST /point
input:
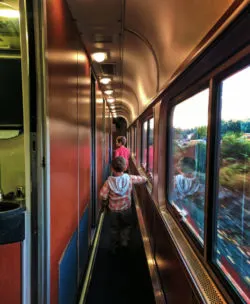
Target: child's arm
[(104, 192), (137, 179)]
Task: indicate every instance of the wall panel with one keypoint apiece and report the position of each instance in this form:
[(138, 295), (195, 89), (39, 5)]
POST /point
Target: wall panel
[(10, 266), (99, 142), (69, 128)]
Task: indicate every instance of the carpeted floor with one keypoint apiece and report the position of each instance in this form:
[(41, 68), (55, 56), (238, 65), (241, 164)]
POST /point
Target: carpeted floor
[(123, 278)]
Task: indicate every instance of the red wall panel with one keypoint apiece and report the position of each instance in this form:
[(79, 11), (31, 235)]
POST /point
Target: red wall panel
[(84, 132), (69, 128), (10, 273), (99, 141)]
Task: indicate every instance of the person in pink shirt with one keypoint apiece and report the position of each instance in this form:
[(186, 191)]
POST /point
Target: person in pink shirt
[(121, 149)]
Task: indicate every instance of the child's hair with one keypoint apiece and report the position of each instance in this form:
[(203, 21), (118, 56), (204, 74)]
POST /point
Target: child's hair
[(121, 140), (119, 164), (187, 164)]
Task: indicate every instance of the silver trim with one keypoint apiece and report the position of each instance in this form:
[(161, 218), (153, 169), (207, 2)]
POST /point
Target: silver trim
[(26, 245), (92, 259), (43, 155), (10, 56), (206, 288)]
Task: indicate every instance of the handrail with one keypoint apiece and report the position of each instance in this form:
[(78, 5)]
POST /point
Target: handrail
[(92, 258)]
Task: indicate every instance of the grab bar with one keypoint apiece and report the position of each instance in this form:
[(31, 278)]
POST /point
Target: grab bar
[(92, 258)]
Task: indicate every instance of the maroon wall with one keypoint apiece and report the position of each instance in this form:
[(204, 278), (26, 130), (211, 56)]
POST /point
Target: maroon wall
[(10, 273), (69, 128)]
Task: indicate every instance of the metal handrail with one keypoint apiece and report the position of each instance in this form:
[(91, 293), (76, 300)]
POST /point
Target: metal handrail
[(92, 258)]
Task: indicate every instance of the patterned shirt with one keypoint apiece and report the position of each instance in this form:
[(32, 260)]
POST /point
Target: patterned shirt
[(120, 202)]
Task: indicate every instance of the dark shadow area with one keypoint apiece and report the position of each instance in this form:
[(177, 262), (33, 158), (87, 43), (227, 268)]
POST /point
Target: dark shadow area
[(122, 278), (120, 129)]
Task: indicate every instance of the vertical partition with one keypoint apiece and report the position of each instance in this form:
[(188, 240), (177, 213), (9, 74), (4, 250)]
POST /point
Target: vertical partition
[(69, 129)]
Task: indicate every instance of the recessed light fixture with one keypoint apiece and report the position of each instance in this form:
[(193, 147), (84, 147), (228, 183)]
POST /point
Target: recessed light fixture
[(110, 99), (109, 92), (105, 80), (99, 56), (9, 13)]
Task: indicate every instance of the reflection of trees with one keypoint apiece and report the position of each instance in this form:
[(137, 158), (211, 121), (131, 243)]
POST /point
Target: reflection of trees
[(235, 126), (235, 162), (235, 146)]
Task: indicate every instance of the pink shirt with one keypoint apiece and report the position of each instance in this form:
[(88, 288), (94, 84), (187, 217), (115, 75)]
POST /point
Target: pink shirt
[(124, 152)]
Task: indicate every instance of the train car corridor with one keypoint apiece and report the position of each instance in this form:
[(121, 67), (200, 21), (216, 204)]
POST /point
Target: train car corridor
[(123, 277)]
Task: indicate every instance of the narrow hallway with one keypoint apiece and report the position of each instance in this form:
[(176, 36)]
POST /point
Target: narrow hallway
[(121, 278)]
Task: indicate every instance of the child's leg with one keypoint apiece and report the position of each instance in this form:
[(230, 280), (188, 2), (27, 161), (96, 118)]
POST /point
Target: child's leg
[(126, 227), (115, 230)]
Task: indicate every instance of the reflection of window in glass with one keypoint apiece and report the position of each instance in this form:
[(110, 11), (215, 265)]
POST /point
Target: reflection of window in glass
[(128, 135), (144, 144), (232, 251), (151, 145), (9, 28), (135, 142), (187, 192)]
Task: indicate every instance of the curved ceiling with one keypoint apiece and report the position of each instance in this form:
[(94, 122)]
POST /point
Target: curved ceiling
[(147, 41)]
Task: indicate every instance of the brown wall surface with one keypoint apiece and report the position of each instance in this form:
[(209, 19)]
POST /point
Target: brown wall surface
[(10, 278), (69, 127)]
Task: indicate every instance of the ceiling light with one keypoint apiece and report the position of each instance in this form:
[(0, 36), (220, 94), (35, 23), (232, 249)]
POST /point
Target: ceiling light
[(109, 92), (112, 107), (115, 115), (99, 56), (9, 13), (111, 99), (105, 80)]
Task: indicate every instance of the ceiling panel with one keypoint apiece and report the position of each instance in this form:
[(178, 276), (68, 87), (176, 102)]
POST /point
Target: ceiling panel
[(147, 40)]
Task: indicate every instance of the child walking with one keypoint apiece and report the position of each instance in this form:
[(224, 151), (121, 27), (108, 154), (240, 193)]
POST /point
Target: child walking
[(117, 189), (121, 149)]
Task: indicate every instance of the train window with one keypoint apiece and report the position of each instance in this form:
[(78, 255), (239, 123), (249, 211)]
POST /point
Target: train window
[(128, 139), (135, 134), (148, 146), (232, 246), (188, 165), (151, 146), (144, 144)]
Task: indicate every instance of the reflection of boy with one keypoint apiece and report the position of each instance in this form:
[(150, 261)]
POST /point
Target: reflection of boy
[(186, 181), (187, 191)]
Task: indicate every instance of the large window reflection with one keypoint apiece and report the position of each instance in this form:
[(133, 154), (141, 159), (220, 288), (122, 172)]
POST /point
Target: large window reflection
[(144, 144), (187, 192), (151, 146), (232, 250), (135, 142)]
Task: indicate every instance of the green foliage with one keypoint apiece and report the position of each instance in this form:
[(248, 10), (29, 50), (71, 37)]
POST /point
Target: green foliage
[(235, 146), (236, 177), (235, 126), (235, 162), (202, 132)]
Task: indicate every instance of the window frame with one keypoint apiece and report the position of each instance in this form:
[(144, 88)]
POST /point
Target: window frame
[(212, 81)]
